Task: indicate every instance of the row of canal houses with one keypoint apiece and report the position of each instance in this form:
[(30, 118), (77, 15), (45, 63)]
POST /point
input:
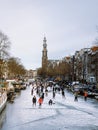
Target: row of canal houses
[(84, 65)]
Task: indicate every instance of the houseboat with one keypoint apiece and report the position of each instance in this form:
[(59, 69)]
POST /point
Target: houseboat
[(3, 99)]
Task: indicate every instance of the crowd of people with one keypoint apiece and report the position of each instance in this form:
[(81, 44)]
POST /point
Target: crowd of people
[(40, 90)]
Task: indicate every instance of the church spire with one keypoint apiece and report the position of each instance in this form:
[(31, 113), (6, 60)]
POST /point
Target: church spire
[(44, 53), (44, 42)]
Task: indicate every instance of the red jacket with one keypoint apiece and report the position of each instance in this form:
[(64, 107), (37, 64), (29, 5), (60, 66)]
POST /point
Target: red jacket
[(40, 100)]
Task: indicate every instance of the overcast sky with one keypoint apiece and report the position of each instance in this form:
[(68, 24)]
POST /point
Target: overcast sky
[(68, 25)]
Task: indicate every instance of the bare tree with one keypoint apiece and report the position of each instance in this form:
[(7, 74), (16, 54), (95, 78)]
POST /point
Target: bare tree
[(4, 46), (15, 67), (4, 51)]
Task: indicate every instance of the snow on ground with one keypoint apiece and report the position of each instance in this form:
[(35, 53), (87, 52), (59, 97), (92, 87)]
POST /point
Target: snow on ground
[(65, 114)]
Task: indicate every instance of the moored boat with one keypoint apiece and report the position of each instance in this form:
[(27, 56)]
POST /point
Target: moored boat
[(3, 100)]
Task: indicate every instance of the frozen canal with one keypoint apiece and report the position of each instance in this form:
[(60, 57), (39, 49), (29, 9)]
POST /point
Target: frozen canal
[(65, 114)]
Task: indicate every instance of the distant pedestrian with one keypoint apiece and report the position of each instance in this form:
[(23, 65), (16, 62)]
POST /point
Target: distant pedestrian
[(34, 100), (76, 96), (32, 91), (40, 101), (85, 95), (42, 88), (53, 88), (53, 94), (42, 96), (46, 92), (37, 91), (63, 94), (50, 102)]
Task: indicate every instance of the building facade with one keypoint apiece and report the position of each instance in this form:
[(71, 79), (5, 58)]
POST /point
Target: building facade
[(86, 64)]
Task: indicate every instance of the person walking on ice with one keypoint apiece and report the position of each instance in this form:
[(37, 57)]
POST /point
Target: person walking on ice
[(40, 101), (76, 96), (63, 94), (34, 101), (50, 102), (53, 94), (85, 95)]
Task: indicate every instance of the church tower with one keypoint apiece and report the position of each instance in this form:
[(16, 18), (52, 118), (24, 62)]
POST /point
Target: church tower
[(44, 54)]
